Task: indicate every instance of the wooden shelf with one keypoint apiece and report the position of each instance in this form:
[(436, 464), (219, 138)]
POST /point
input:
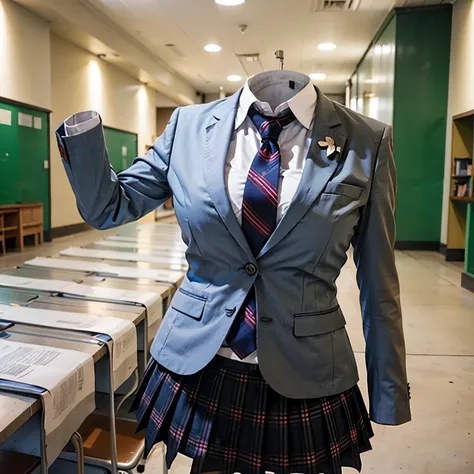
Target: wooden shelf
[(32, 224), (19, 221), (462, 151), (14, 207), (463, 198)]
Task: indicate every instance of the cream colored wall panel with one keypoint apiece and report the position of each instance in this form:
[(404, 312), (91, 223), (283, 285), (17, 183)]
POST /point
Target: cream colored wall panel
[(81, 81), (24, 56), (163, 115), (461, 80)]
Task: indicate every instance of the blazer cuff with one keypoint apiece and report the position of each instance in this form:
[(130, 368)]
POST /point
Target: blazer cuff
[(81, 122)]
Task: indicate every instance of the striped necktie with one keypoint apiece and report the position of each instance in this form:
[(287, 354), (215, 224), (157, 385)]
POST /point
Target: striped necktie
[(259, 215)]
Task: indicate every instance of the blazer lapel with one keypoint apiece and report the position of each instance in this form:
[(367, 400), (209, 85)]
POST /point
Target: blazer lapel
[(318, 169), (219, 135)]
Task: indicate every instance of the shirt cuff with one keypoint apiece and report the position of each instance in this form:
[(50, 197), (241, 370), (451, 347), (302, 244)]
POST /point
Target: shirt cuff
[(81, 122)]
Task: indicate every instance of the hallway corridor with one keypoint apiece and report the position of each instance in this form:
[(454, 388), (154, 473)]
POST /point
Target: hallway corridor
[(439, 323)]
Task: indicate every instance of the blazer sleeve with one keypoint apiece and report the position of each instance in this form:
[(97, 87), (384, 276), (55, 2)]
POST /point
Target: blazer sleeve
[(380, 294), (106, 199)]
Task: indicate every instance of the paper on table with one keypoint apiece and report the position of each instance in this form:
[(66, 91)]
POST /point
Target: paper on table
[(173, 263), (143, 248), (68, 376), (151, 301), (169, 276), (123, 333), (20, 282), (144, 240)]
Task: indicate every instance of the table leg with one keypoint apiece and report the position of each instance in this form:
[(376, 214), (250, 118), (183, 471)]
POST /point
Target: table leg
[(20, 232), (79, 447)]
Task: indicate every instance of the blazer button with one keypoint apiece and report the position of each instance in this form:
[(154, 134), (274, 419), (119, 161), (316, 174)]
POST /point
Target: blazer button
[(251, 269)]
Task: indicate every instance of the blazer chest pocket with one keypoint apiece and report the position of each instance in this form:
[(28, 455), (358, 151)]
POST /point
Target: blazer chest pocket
[(189, 304), (342, 189), (318, 323)]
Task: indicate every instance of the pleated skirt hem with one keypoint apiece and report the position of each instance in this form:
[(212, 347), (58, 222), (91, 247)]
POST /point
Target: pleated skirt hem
[(228, 419)]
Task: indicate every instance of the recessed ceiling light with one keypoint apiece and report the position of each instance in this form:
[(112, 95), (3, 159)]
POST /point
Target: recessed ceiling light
[(326, 46), (230, 2), (234, 78), (318, 76), (212, 48)]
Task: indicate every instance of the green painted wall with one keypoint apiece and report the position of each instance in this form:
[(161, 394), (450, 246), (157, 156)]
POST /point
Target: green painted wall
[(403, 81), (374, 94), (24, 150), (420, 108), (122, 148)]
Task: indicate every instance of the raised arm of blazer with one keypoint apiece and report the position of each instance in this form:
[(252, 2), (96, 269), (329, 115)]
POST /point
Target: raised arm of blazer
[(106, 199), (380, 295)]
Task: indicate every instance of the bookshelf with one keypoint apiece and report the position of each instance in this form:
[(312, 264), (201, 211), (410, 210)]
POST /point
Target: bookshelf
[(461, 180), (461, 187), (460, 244)]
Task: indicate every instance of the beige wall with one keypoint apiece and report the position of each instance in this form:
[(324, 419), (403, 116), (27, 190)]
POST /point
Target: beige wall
[(461, 84), (80, 81), (24, 56), (163, 115)]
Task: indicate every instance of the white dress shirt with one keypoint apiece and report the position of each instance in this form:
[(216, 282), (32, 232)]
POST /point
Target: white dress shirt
[(81, 122), (277, 96), (294, 141)]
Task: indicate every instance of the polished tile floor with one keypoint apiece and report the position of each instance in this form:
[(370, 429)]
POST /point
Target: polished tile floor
[(439, 331)]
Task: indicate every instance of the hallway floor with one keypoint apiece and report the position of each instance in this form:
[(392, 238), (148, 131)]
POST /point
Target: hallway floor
[(439, 331)]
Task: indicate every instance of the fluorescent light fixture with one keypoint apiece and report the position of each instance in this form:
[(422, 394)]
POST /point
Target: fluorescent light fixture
[(318, 76), (326, 46), (212, 48), (234, 78), (230, 2)]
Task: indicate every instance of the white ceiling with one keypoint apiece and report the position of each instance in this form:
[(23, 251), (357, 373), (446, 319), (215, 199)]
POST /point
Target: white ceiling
[(290, 25), (134, 35)]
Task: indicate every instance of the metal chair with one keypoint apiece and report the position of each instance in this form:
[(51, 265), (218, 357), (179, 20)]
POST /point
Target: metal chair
[(95, 432)]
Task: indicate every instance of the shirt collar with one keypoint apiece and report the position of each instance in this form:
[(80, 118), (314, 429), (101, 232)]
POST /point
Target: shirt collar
[(302, 105)]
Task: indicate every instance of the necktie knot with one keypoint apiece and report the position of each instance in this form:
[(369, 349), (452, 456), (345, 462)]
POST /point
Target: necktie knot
[(270, 127)]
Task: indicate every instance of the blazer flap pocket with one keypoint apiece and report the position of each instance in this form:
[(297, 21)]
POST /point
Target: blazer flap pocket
[(344, 189), (317, 323), (189, 304)]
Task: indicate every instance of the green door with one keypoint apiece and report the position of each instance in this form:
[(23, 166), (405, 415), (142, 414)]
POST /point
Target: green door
[(9, 157), (122, 148), (24, 157)]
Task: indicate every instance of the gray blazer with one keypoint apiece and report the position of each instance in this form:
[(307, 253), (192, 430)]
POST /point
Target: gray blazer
[(345, 196)]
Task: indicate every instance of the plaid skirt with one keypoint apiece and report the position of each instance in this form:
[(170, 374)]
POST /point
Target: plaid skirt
[(228, 419)]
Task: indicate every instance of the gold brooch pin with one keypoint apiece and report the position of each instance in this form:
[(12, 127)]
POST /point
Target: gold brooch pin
[(329, 145)]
